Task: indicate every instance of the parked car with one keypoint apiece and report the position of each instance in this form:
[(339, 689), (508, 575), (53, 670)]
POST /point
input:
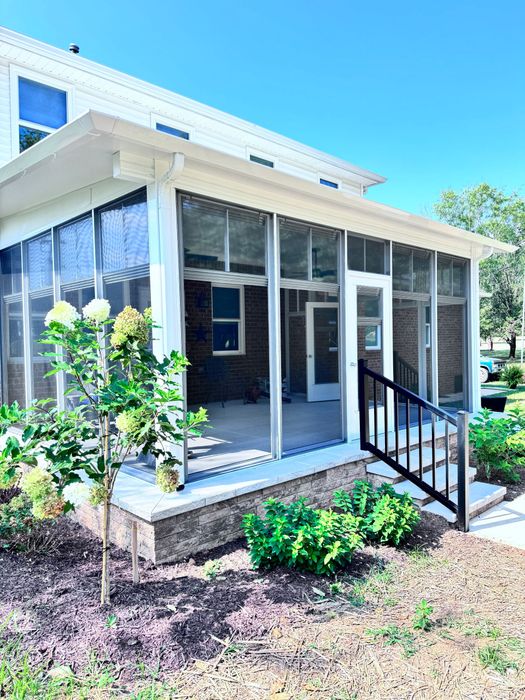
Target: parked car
[(490, 367)]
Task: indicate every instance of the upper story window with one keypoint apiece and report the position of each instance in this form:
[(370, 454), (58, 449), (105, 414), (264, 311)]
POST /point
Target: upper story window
[(173, 131), (41, 110), (262, 161), (329, 183)]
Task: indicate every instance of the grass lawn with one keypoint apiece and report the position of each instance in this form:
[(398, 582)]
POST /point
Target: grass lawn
[(502, 354), (224, 631), (514, 396)]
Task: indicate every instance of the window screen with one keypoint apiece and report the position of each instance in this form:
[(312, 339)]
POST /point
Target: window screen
[(76, 251), (40, 262), (124, 234)]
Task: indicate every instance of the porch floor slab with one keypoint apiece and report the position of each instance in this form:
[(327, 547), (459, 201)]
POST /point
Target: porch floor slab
[(146, 501)]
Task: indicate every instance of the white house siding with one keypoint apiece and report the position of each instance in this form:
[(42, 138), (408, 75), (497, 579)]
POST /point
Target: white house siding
[(19, 227), (99, 88), (5, 113)]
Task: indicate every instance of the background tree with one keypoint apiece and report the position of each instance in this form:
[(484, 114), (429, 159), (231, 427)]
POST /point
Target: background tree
[(491, 212)]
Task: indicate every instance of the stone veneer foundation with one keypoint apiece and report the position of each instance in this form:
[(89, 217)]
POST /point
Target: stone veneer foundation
[(179, 536), (208, 513)]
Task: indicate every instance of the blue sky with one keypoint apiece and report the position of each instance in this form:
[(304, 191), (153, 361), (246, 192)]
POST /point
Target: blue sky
[(429, 93)]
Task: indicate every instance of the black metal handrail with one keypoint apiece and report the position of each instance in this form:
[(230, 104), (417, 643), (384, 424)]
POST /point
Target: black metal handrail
[(391, 454)]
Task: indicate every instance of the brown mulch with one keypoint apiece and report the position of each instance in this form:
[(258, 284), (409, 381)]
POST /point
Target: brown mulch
[(247, 634)]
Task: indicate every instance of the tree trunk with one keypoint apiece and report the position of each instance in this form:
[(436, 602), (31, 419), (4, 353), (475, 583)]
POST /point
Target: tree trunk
[(512, 346), (491, 344)]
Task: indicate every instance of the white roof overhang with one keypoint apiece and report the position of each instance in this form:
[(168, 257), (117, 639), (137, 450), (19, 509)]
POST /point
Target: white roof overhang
[(95, 147)]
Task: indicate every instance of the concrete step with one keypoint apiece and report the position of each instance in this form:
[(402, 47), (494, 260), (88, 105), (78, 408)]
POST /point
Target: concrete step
[(383, 473), (421, 498), (481, 497)]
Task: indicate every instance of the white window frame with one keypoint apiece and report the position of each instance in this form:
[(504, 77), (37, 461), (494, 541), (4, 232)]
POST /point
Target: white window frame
[(239, 321), (173, 124), (16, 359), (261, 154), (16, 72), (329, 178), (428, 335)]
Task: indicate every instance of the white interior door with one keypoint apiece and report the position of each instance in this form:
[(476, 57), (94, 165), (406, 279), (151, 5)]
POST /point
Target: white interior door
[(322, 351), (369, 337)]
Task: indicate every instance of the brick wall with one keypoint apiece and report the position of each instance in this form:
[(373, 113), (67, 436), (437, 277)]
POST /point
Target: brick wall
[(15, 383), (451, 348), (374, 361), (405, 340), (241, 370), (43, 387), (297, 339)]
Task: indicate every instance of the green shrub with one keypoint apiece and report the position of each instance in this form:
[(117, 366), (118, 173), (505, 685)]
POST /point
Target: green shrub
[(422, 620), (384, 516), (19, 530), (16, 520), (211, 569), (512, 375), (301, 537), (498, 444)]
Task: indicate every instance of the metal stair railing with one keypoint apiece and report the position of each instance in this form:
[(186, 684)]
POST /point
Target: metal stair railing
[(369, 383), (405, 374)]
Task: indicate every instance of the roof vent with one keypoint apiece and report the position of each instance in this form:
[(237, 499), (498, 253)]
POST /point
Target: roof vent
[(74, 48)]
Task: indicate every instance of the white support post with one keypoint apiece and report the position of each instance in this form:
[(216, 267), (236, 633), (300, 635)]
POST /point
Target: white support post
[(166, 272), (274, 337), (422, 349), (473, 310), (434, 331)]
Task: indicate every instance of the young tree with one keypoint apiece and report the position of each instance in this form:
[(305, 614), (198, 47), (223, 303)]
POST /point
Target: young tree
[(486, 210), (125, 401)]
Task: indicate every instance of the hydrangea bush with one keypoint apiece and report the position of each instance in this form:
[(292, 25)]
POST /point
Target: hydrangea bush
[(126, 401)]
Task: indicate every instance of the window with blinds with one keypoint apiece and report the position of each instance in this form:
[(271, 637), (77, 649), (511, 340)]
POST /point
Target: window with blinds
[(124, 250), (68, 254), (219, 237)]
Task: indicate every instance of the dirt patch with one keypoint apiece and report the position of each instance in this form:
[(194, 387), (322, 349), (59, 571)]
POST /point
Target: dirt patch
[(281, 635)]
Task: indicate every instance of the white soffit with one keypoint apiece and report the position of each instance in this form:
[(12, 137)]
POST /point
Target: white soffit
[(82, 153)]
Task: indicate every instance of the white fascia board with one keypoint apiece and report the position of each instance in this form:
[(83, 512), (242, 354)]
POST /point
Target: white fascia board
[(21, 41), (217, 174)]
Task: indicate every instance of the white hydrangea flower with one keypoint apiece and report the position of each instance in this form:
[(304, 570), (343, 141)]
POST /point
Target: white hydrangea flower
[(76, 494), (97, 310), (62, 312)]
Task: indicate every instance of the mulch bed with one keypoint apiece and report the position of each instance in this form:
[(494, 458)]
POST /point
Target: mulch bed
[(249, 634)]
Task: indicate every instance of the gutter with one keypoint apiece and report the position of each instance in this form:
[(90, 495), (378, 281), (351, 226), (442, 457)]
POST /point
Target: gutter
[(160, 145)]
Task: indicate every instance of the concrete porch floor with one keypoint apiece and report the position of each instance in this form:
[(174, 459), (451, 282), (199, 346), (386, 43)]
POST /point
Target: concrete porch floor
[(239, 432), (146, 501)]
